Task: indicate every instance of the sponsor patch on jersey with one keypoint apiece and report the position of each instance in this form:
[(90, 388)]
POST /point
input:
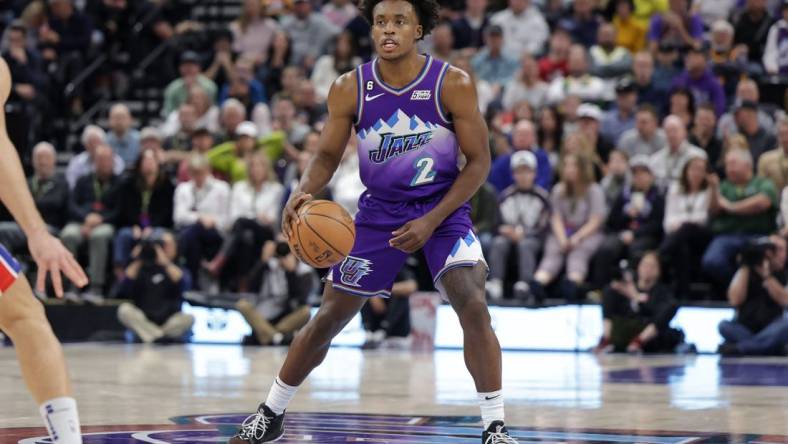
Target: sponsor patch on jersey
[(421, 94)]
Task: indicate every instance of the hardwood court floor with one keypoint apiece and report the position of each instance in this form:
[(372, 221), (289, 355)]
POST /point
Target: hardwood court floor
[(618, 398)]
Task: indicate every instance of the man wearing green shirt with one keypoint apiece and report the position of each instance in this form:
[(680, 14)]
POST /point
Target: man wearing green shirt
[(229, 159), (742, 207), (177, 92)]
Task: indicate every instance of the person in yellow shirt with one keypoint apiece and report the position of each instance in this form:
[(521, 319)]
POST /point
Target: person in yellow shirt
[(630, 32), (645, 9), (229, 158)]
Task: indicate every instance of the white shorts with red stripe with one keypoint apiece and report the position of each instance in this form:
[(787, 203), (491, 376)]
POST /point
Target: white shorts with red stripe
[(9, 270)]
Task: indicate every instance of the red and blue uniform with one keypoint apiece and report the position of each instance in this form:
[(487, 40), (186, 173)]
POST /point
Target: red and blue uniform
[(9, 270)]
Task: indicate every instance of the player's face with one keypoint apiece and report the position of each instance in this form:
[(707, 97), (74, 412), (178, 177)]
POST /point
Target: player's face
[(395, 29)]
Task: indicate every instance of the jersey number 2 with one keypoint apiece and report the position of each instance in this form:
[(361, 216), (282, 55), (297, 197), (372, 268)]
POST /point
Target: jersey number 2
[(424, 174)]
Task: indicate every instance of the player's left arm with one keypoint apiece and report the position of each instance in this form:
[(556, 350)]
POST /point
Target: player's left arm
[(459, 99), (48, 252)]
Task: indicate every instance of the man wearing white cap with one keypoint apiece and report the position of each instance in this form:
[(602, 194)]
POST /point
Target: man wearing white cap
[(524, 214), (229, 159)]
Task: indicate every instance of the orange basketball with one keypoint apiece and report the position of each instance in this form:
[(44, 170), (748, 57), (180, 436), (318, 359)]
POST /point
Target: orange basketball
[(325, 234)]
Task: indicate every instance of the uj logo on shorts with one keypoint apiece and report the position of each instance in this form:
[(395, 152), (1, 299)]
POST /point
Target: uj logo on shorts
[(353, 269)]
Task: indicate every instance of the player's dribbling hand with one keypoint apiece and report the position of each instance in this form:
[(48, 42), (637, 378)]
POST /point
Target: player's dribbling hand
[(413, 235), (290, 212), (52, 258)]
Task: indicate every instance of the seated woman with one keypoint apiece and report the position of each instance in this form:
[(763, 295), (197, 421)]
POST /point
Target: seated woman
[(254, 216), (637, 311), (578, 205), (686, 225)]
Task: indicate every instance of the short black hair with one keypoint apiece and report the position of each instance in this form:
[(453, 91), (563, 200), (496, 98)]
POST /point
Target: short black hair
[(426, 10)]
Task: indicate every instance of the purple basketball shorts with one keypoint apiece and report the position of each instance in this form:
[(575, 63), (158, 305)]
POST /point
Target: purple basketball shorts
[(372, 265)]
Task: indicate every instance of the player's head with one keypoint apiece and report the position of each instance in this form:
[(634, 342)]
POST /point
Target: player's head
[(398, 24)]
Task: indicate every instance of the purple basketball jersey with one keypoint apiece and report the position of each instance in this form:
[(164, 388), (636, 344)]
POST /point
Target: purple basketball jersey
[(407, 147)]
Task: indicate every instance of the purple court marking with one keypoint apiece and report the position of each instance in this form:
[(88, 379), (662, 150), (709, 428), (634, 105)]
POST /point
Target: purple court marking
[(349, 428), (728, 373)]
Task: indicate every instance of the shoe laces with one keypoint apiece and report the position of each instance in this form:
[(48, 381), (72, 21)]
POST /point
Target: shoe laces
[(255, 426), (499, 437)]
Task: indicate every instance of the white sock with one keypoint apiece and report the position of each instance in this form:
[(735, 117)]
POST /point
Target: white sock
[(280, 396), (62, 420), (492, 407)]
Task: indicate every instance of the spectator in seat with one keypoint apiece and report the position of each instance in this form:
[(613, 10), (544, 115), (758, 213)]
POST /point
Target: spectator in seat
[(201, 214), (668, 162), (681, 103), (284, 119), (686, 224), (728, 62), (637, 311), (339, 12), (220, 68), (523, 139), (773, 164), (309, 32), (26, 67), (550, 133), (243, 86), (775, 55), (91, 213), (442, 42), (50, 194), (742, 207), (124, 140), (621, 117), (83, 163), (387, 320), (618, 177), (155, 284), (308, 108), (589, 125), (273, 71), (526, 85), (556, 62), (609, 61), (484, 215), (524, 28), (469, 28), (578, 214), (233, 112), (179, 126), (229, 159), (144, 202), (253, 32), (667, 67), (330, 66), (583, 24), (752, 28), (710, 11), (201, 143), (698, 78), (492, 64), (678, 26), (177, 92), (630, 33), (524, 213), (634, 223), (758, 294), (254, 218), (746, 90), (758, 139), (643, 77), (279, 309), (703, 135), (579, 82), (67, 30)]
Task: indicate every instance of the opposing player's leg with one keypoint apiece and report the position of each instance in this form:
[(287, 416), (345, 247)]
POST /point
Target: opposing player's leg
[(41, 360), (308, 350), (457, 264)]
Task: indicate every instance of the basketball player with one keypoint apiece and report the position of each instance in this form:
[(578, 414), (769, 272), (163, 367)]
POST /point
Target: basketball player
[(414, 116), (21, 315)]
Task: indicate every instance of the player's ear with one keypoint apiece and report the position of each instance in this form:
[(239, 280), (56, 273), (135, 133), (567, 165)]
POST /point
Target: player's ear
[(419, 32)]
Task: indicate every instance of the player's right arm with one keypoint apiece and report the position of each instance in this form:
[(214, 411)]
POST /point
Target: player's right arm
[(49, 254), (333, 140)]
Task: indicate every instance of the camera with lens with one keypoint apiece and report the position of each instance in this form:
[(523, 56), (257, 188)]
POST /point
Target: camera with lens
[(622, 272), (148, 250), (282, 249), (754, 252)]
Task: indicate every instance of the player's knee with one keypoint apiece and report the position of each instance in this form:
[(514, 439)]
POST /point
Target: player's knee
[(18, 315), (474, 313)]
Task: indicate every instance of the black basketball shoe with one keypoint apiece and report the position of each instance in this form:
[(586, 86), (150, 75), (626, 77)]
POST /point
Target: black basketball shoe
[(263, 426), (497, 434)]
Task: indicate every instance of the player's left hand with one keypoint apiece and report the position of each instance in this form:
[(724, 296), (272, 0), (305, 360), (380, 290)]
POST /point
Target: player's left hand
[(53, 258), (413, 235)]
